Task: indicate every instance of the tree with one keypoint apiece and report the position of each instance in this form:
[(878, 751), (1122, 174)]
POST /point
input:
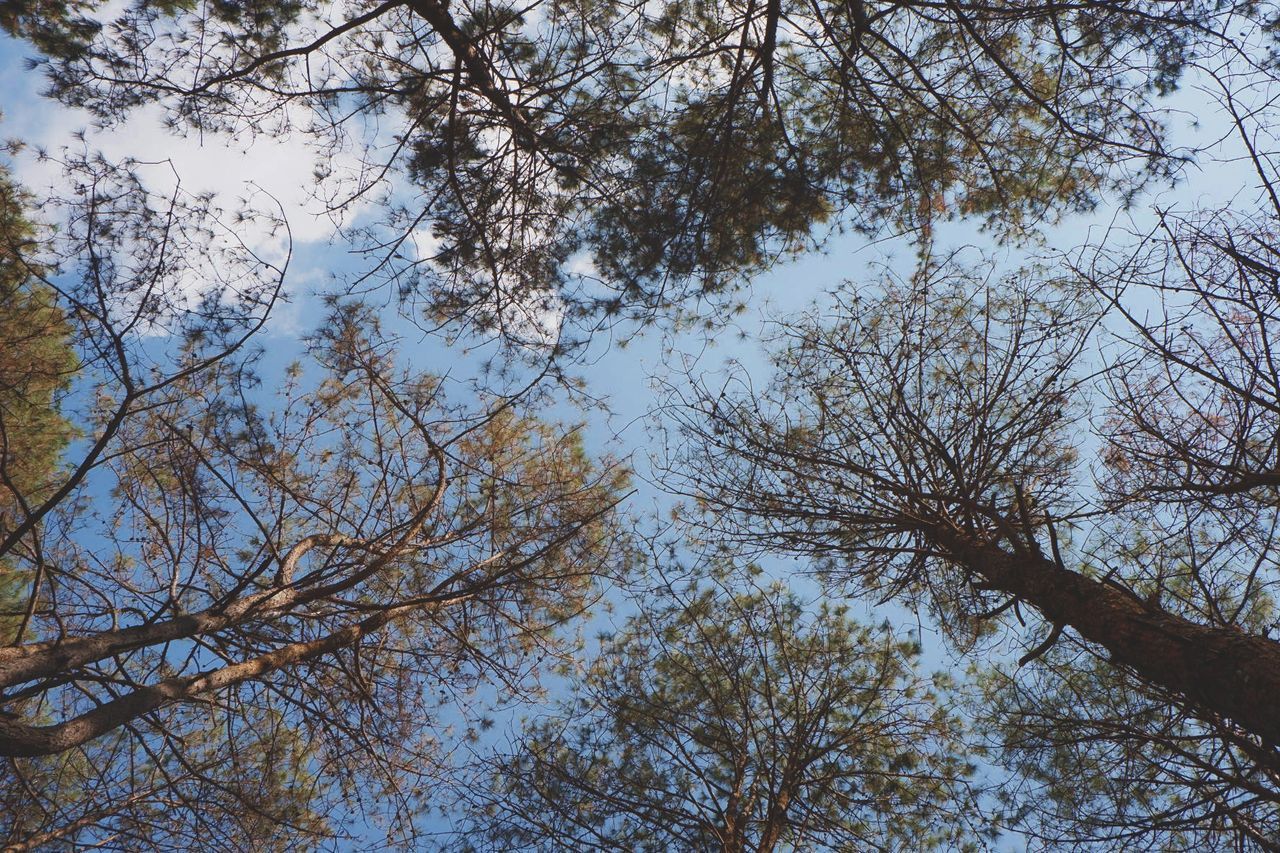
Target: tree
[(288, 565), (1100, 759), (675, 146), (248, 605), (730, 718), (924, 443), (36, 362)]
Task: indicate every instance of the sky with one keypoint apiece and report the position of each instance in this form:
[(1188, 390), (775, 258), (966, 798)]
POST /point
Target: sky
[(282, 170)]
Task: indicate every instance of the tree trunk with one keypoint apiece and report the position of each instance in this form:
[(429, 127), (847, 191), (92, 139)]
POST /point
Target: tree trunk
[(1222, 669)]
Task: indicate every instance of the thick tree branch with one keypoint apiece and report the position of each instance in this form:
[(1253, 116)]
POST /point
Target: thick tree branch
[(1223, 669)]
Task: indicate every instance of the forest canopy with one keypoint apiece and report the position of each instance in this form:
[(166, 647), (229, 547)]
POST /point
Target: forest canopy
[(361, 542), (602, 158)]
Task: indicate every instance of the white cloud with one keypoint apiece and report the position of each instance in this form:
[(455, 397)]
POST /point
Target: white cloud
[(283, 167), (426, 244), (262, 170)]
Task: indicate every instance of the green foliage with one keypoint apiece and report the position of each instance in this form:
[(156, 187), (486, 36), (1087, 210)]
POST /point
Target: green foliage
[(242, 785), (57, 29), (1101, 760), (739, 720), (679, 146), (356, 552), (36, 364), (264, 594), (925, 442)]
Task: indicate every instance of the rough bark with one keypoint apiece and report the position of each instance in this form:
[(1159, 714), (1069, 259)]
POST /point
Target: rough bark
[(1222, 669)]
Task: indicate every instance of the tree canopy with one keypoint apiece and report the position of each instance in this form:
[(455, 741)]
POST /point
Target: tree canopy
[(250, 601), (664, 149), (736, 719), (36, 363), (241, 606), (925, 443)]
